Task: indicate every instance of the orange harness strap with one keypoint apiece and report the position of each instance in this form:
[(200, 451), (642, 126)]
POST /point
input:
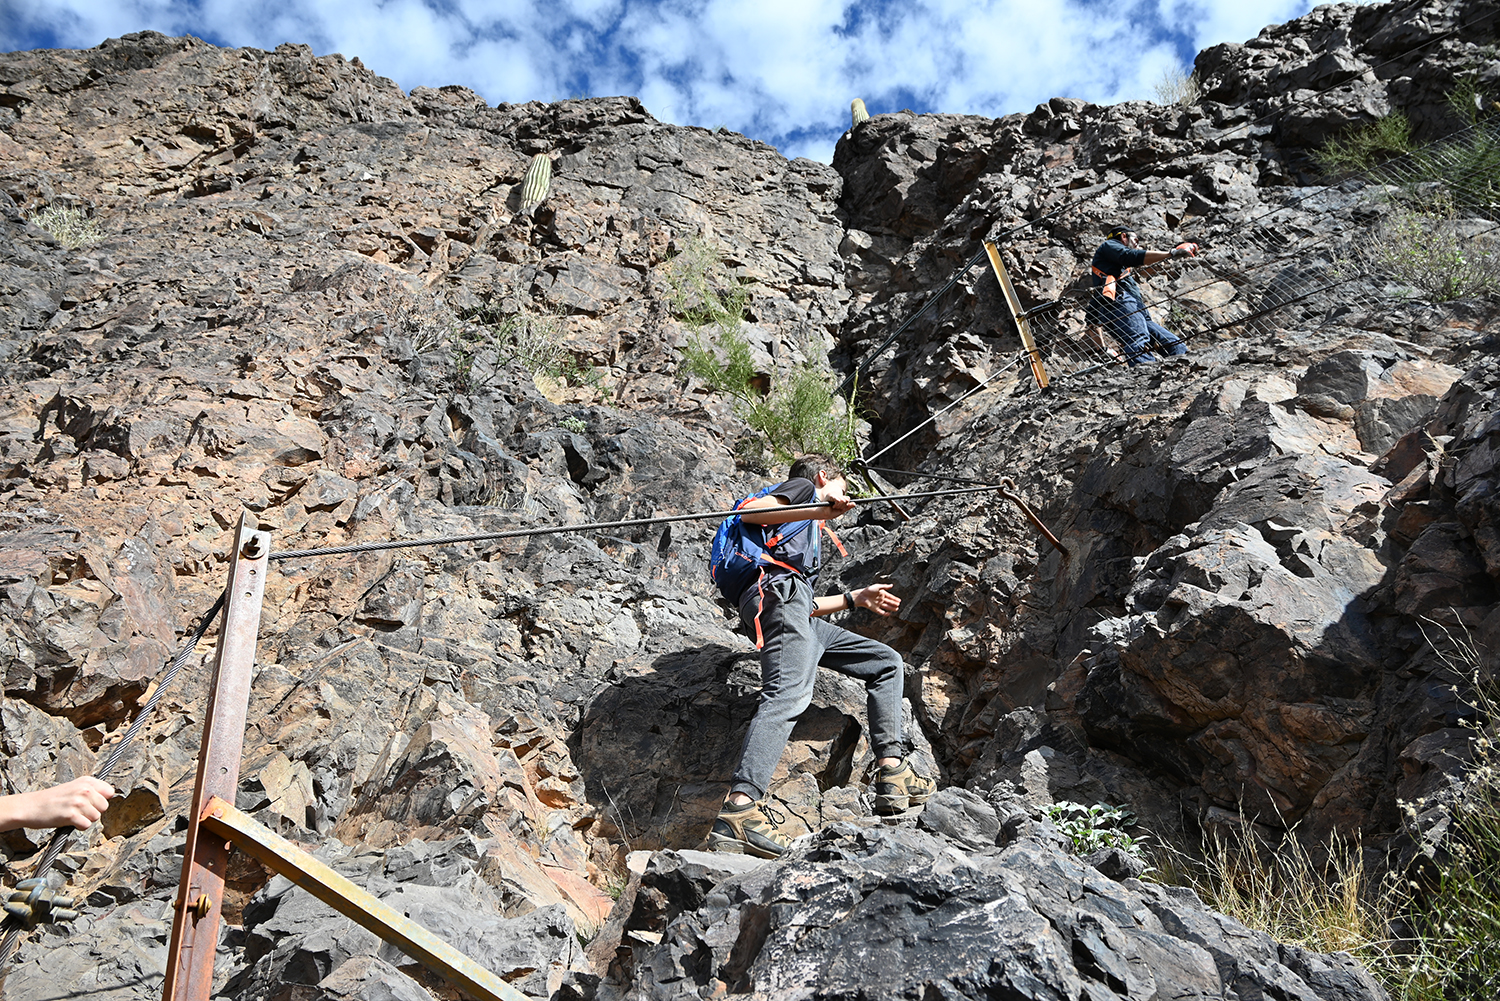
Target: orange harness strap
[(842, 551), (760, 587), (1108, 291), (760, 639)]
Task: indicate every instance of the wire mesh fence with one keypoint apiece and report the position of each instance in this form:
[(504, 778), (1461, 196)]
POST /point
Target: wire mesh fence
[(1425, 225)]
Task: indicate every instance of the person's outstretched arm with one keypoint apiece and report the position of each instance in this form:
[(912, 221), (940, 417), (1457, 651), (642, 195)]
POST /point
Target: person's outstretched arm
[(1181, 250), (765, 511), (877, 598), (78, 803)]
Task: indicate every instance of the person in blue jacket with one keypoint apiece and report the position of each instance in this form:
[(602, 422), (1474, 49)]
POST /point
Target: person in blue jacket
[(1117, 304)]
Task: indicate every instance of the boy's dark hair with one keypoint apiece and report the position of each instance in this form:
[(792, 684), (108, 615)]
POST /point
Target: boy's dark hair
[(807, 467)]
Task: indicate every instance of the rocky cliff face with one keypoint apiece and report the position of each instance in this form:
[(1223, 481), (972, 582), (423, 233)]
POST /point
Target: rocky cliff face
[(1264, 536)]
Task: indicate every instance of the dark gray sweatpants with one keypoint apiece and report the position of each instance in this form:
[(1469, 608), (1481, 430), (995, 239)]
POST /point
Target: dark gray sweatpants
[(796, 644)]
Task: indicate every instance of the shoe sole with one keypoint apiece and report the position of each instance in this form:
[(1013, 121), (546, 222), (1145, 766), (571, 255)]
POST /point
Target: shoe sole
[(887, 806), (734, 846)]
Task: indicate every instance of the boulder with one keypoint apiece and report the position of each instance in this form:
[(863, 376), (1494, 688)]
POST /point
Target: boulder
[(880, 913)]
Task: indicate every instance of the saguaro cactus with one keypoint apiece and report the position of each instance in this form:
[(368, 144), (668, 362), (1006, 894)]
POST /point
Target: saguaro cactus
[(536, 182), (857, 111)]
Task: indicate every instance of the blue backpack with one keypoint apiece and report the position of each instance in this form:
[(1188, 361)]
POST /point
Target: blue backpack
[(741, 552)]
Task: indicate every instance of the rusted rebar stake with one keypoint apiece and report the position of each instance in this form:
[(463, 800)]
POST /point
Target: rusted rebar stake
[(1007, 489)]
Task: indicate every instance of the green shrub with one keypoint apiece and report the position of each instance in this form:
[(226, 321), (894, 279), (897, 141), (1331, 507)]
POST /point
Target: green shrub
[(70, 226), (1365, 146), (799, 414), (1466, 169), (795, 411), (1468, 101), (1423, 245), (702, 292), (1090, 828)]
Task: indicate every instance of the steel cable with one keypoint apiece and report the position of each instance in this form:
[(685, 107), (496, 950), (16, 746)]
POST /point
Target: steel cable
[(593, 526), (63, 836), (934, 417)]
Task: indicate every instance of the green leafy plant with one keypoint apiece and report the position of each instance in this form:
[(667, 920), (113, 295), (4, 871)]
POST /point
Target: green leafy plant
[(573, 424), (1363, 147), (793, 410), (1424, 245), (1091, 828), (70, 226)]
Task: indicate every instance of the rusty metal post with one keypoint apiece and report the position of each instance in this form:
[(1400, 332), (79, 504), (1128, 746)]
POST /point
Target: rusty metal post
[(200, 893)]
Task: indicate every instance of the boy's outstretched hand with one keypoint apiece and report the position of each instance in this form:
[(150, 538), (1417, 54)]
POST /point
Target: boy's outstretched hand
[(877, 598), (78, 803)]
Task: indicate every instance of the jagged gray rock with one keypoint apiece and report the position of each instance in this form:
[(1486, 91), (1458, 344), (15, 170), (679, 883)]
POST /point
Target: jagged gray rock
[(1258, 532), (889, 913)]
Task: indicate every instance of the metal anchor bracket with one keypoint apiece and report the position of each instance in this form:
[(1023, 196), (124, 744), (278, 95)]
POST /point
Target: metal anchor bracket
[(34, 903)]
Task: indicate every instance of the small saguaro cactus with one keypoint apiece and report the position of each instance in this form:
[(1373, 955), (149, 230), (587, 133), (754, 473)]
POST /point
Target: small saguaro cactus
[(857, 111), (536, 182)]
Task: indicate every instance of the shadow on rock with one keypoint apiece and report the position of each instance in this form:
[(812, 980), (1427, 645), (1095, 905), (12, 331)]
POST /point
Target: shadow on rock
[(657, 748)]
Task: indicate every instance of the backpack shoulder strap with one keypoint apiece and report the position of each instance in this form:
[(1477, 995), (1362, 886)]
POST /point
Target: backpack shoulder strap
[(842, 551)]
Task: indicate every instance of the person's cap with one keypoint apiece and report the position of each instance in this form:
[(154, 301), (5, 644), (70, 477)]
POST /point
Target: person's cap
[(1117, 229)]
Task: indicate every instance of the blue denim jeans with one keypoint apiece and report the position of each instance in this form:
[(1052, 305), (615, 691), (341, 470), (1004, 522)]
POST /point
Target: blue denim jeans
[(796, 645), (1128, 321)]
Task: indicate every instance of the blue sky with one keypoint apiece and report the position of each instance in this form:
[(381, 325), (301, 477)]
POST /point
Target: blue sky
[(782, 71)]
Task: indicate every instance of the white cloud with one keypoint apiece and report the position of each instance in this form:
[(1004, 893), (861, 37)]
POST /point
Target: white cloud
[(1214, 21), (773, 69)]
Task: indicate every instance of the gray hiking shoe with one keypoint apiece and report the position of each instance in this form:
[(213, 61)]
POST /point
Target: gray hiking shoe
[(748, 830), (898, 787)]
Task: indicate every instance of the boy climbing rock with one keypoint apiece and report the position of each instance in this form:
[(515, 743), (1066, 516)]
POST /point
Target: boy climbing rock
[(766, 560)]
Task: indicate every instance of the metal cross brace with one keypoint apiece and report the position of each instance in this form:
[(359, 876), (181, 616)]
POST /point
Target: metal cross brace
[(215, 826), (280, 855)]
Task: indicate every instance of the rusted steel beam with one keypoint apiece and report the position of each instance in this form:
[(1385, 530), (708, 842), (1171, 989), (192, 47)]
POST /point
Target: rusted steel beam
[(200, 893), (276, 853), (865, 474)]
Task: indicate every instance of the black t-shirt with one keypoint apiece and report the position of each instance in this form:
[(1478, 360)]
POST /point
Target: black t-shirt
[(795, 542), (1114, 258)]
